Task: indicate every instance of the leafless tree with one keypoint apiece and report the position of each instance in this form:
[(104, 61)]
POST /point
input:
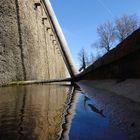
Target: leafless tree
[(98, 51), (106, 34), (125, 25), (92, 58), (83, 59)]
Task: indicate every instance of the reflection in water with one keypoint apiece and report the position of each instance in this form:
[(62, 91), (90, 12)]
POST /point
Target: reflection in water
[(31, 112), (94, 109), (51, 112), (85, 101), (22, 111), (67, 115), (86, 122)]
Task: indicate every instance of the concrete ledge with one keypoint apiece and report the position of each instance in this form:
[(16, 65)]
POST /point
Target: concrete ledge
[(129, 88), (37, 82)]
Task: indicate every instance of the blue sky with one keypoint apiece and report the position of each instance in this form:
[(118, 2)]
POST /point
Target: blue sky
[(79, 19)]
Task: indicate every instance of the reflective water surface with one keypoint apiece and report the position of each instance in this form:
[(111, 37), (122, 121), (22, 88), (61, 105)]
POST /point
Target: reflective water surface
[(90, 123), (31, 112), (87, 122), (51, 112)]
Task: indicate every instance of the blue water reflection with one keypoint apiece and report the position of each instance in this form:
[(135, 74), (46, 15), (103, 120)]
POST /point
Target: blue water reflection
[(90, 123)]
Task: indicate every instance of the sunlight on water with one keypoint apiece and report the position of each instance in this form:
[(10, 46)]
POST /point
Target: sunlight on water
[(51, 112), (31, 112)]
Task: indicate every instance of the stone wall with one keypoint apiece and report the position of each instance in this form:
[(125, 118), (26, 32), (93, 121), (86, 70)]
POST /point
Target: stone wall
[(29, 47), (10, 52), (121, 62)]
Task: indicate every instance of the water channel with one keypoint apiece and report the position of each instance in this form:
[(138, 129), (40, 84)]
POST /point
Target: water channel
[(51, 112)]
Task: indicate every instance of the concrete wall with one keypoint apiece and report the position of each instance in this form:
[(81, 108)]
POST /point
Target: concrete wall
[(29, 47), (120, 63)]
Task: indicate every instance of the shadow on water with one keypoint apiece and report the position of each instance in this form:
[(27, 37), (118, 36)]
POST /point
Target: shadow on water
[(94, 109)]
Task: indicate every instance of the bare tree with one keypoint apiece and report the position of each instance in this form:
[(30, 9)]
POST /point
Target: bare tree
[(125, 25), (98, 51), (91, 58), (106, 34), (83, 59)]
